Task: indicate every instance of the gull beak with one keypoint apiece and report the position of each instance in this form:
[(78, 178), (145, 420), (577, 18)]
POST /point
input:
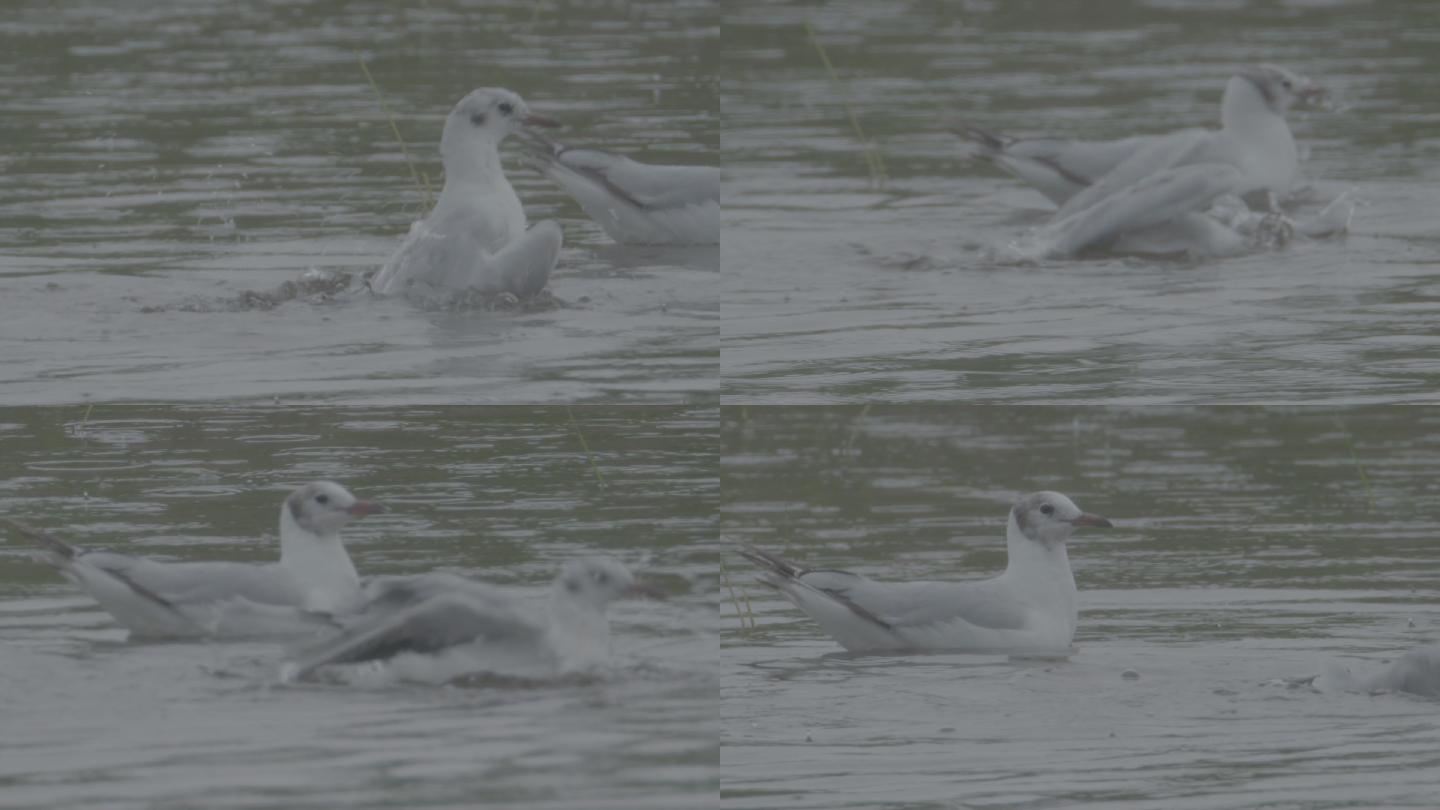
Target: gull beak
[(363, 508), (1088, 519), (533, 120), (643, 590)]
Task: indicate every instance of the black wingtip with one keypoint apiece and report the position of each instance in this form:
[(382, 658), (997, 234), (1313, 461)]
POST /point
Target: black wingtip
[(765, 559), (989, 142), (50, 543)]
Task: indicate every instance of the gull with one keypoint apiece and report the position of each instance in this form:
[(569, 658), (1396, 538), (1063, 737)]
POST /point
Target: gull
[(1416, 672), (636, 203), (1150, 193), (313, 580), (1030, 608), (475, 238), (440, 626)]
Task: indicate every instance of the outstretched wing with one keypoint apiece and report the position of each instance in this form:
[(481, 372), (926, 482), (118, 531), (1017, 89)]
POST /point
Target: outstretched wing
[(1157, 198), (432, 625)]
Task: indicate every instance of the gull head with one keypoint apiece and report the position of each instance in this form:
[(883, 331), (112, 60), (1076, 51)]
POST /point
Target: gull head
[(324, 507), (598, 581), (1049, 517), (1282, 89), (485, 118)]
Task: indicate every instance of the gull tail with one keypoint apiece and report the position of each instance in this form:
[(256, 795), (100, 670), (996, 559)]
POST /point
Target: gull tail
[(132, 604)]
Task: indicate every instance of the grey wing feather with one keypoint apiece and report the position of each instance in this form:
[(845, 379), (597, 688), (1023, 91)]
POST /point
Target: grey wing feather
[(433, 260), (1057, 167), (1158, 198), (1156, 155), (430, 626), (523, 266), (640, 184), (191, 582), (902, 605), (170, 584)]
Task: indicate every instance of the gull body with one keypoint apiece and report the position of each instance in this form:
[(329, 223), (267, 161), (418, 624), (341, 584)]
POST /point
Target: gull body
[(636, 203), (1416, 672), (312, 582), (438, 627), (476, 236), (1030, 608), (1151, 193)]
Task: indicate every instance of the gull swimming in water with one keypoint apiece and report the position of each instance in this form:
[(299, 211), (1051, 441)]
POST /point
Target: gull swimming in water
[(437, 627), (636, 203), (475, 238), (1030, 608), (313, 580), (1151, 193)]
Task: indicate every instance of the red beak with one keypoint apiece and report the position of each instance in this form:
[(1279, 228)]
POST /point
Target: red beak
[(533, 120), (363, 508), (1088, 519)]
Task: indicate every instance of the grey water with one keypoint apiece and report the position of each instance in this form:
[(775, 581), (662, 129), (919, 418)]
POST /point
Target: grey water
[(871, 267), (1252, 550), (93, 719), (163, 165)]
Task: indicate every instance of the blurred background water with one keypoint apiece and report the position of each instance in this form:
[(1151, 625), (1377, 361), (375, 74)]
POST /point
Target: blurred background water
[(873, 271), (164, 163), (504, 494), (1252, 549)]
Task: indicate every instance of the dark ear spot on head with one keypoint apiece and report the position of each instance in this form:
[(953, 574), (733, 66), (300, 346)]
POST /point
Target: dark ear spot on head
[(572, 586), (1262, 83), (478, 119), (294, 502), (1022, 516)]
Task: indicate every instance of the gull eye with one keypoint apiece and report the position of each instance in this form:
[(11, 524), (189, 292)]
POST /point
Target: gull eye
[(322, 498), (1047, 509), (505, 107), (600, 577), (478, 119)]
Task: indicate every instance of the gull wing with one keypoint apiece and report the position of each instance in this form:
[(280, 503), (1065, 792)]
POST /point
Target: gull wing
[(896, 606), (1157, 155), (1158, 198), (640, 184), (434, 624), (909, 605), (163, 599), (636, 203), (445, 258), (1059, 168)]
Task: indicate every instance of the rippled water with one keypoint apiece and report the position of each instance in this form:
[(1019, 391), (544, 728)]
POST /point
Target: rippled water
[(1251, 549), (504, 493), (166, 160), (840, 288)]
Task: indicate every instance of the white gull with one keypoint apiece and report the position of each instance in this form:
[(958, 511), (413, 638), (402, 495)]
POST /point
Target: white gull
[(636, 203), (1030, 608), (437, 627), (1151, 193), (313, 580), (475, 238)]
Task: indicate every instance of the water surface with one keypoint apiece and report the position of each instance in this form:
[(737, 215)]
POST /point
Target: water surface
[(852, 280), (1251, 549)]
